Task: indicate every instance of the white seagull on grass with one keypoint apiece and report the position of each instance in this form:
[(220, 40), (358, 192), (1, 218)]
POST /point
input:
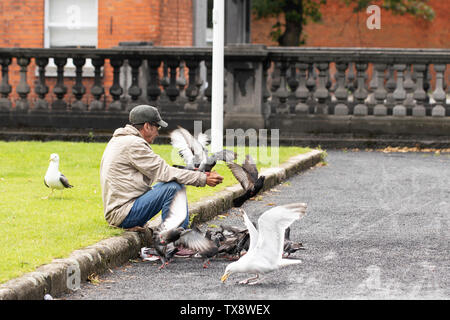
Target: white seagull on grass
[(53, 178), (266, 245)]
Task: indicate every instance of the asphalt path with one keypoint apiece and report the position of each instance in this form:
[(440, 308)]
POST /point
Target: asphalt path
[(377, 227)]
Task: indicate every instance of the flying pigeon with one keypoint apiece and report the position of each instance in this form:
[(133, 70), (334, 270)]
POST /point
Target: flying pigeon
[(266, 245), (194, 152), (247, 175), (53, 178), (170, 232)]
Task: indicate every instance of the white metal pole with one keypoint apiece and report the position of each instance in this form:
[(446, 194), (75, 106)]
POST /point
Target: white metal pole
[(217, 76)]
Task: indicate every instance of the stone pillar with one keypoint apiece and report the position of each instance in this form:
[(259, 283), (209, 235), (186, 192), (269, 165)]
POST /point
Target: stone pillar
[(245, 87), (419, 94), (380, 93)]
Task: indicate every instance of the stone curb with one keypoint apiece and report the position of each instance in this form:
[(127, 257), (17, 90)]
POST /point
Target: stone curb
[(63, 275)]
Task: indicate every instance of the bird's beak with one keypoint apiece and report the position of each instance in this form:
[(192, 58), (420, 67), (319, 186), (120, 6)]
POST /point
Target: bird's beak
[(224, 277)]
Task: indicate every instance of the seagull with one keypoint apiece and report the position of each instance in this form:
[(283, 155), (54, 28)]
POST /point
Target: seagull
[(194, 152), (171, 232), (53, 178), (247, 175), (266, 245)]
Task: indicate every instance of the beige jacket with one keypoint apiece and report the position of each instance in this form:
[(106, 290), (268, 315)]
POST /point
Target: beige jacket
[(128, 169)]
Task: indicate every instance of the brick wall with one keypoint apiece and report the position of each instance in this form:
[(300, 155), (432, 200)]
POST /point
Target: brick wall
[(343, 28)]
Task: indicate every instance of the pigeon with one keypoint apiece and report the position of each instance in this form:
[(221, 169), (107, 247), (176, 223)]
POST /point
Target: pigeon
[(53, 178), (266, 245), (194, 239), (170, 232), (289, 245), (194, 152), (247, 175)]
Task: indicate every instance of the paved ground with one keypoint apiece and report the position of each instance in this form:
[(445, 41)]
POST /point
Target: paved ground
[(377, 228)]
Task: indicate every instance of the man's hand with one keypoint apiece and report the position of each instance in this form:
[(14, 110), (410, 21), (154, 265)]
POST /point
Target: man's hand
[(213, 179)]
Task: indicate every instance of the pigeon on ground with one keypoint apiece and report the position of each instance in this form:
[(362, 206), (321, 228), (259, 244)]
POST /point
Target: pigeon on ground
[(247, 175), (194, 239), (194, 151), (289, 245), (266, 243), (171, 232), (53, 178)]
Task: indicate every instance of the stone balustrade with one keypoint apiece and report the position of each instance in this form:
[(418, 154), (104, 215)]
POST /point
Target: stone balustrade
[(299, 90)]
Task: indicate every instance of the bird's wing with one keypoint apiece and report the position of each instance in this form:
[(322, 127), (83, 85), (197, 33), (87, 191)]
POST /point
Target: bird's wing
[(240, 175), (272, 225), (177, 212), (64, 181), (45, 182), (249, 166), (203, 139), (179, 142), (194, 240), (254, 235)]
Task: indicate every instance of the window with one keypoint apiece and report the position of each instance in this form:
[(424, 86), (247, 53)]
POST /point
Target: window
[(71, 24)]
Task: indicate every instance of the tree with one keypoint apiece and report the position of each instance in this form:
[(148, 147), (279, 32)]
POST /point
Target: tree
[(298, 13)]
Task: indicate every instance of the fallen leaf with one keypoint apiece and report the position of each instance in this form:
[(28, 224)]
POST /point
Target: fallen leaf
[(270, 204)]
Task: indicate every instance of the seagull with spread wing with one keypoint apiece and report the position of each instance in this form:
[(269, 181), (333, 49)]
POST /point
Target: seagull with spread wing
[(266, 244), (247, 175), (194, 151), (53, 178)]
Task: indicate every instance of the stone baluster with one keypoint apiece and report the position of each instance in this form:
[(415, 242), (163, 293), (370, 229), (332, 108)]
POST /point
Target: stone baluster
[(390, 87), (165, 79), (341, 92), (399, 93), (266, 109), (23, 89), (208, 90), (360, 93), (79, 89), (116, 90), (172, 90), (427, 87), (282, 92), (419, 93), (181, 80), (97, 89), (409, 86), (380, 93), (292, 82), (311, 85), (439, 93), (302, 92), (321, 93), (192, 90), (351, 78), (5, 87), (275, 77), (60, 89), (41, 88), (371, 101), (134, 90), (153, 89)]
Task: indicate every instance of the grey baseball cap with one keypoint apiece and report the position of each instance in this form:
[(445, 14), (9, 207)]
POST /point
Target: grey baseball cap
[(145, 113)]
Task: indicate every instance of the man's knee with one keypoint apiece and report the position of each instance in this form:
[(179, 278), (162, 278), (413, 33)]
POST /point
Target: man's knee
[(174, 186)]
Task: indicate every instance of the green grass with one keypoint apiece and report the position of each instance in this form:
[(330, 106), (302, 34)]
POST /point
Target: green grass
[(34, 231)]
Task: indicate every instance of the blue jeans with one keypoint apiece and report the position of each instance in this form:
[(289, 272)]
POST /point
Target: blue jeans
[(150, 203)]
